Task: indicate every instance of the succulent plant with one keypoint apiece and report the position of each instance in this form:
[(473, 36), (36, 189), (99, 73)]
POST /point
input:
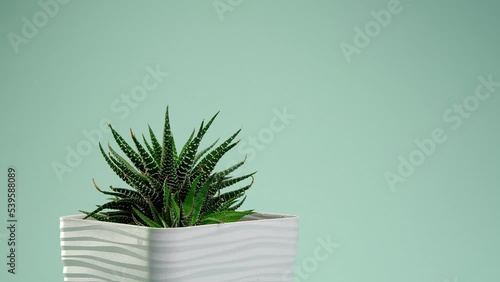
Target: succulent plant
[(170, 189)]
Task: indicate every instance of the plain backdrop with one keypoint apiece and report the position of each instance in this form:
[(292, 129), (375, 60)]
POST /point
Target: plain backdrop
[(332, 97)]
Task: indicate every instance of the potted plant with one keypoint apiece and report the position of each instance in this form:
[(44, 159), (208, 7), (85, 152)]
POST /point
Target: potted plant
[(178, 221)]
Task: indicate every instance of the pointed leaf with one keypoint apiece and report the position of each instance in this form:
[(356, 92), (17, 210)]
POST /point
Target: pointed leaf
[(175, 211), (146, 159), (224, 217), (189, 200), (186, 145), (127, 149), (120, 204), (146, 219), (204, 151), (198, 202), (156, 145), (232, 168), (238, 205), (168, 155), (207, 164), (186, 163), (152, 152), (124, 165), (228, 182)]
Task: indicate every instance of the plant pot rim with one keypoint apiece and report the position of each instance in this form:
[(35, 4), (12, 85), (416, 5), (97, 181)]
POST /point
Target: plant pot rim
[(257, 216)]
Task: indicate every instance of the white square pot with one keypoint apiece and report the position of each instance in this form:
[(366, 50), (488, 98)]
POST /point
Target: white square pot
[(260, 247)]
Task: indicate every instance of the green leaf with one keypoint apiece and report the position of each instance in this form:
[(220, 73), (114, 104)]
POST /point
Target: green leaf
[(229, 195), (118, 213), (156, 145), (154, 212), (135, 180), (238, 205), (181, 167), (207, 164), (204, 151), (96, 216), (184, 148), (120, 204), (125, 219), (146, 219), (127, 193), (124, 165), (186, 163), (106, 192), (231, 169), (166, 204), (189, 200), (224, 217), (113, 165), (127, 149), (217, 201), (137, 221), (151, 152), (175, 211), (166, 194), (168, 155), (143, 188), (198, 201), (148, 162), (225, 206), (231, 181)]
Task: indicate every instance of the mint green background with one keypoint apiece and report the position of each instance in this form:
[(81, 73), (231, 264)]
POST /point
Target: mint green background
[(352, 122)]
